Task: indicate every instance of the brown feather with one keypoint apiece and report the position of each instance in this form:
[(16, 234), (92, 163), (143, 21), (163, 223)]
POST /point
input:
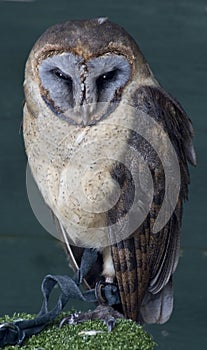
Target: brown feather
[(145, 262)]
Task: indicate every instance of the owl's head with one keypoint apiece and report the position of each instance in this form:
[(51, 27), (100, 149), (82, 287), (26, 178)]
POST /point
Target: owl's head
[(81, 69)]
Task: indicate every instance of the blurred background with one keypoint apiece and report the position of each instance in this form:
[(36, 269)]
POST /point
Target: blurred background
[(173, 37)]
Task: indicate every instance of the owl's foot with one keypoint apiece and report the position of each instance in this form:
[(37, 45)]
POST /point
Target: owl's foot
[(104, 313)]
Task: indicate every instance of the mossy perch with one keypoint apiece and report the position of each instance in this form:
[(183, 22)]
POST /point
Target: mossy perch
[(126, 335)]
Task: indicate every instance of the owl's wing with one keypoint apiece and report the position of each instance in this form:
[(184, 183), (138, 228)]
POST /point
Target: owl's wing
[(145, 262)]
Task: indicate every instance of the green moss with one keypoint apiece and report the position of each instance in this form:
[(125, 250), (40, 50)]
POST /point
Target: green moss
[(126, 335)]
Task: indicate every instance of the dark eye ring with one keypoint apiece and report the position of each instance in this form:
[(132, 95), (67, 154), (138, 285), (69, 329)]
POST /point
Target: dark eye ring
[(108, 76), (61, 75)]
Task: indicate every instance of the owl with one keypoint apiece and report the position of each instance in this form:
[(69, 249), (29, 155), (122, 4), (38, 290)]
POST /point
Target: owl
[(97, 128)]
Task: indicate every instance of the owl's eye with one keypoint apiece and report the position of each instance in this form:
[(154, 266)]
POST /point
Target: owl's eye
[(61, 75), (106, 78), (109, 75)]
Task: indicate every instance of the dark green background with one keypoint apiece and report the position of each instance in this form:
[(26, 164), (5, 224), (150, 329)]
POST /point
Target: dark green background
[(172, 35)]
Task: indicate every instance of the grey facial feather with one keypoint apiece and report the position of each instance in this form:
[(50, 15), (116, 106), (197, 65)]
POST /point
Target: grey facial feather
[(58, 89), (83, 87), (103, 64)]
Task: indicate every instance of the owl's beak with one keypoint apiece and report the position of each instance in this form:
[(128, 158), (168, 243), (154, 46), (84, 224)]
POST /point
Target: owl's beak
[(85, 115), (87, 112)]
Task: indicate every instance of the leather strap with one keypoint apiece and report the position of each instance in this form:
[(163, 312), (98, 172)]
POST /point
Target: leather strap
[(14, 333)]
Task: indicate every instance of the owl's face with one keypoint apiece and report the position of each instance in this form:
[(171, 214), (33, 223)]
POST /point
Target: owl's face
[(83, 91), (80, 70)]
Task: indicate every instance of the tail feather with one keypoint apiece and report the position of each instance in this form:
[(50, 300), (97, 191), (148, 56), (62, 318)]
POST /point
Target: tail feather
[(157, 308)]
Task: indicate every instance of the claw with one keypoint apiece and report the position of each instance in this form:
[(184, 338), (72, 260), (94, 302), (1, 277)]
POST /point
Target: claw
[(110, 322), (71, 319)]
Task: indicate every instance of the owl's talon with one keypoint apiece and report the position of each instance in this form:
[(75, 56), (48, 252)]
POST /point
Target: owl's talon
[(71, 319), (104, 313), (110, 322)]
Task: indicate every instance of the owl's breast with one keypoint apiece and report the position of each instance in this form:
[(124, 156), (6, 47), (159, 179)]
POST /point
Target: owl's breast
[(73, 169)]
